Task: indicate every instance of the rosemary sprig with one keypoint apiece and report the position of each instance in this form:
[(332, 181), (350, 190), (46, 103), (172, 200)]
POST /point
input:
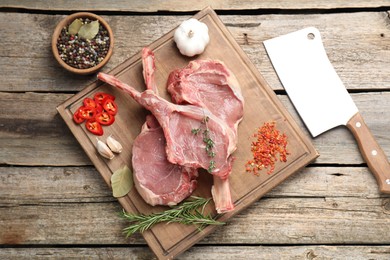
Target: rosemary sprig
[(190, 212)]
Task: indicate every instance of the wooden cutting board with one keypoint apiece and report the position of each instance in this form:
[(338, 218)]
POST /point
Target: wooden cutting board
[(261, 105)]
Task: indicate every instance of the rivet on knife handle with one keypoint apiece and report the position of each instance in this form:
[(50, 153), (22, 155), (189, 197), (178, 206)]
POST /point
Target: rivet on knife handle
[(372, 153)]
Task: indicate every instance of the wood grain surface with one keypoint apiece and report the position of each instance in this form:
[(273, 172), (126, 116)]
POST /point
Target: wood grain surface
[(182, 6), (48, 186), (261, 106), (356, 43)]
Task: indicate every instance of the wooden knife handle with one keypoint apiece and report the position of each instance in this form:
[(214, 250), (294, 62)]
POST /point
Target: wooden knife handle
[(372, 153)]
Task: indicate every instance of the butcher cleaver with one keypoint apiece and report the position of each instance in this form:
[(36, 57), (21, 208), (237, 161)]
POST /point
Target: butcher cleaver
[(318, 94)]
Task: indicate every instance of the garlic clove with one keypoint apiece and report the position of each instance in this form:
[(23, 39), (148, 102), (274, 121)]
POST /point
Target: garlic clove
[(114, 145), (104, 150)]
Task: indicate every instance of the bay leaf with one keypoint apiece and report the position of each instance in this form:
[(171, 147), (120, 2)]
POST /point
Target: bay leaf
[(88, 31), (122, 182), (74, 27)]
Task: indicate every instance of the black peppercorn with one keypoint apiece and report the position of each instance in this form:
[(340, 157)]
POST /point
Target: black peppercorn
[(83, 53)]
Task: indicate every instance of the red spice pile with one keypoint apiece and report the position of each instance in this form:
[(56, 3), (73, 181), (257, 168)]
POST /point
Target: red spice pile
[(268, 147)]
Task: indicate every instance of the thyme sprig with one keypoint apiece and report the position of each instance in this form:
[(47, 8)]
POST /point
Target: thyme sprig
[(190, 212), (208, 142)]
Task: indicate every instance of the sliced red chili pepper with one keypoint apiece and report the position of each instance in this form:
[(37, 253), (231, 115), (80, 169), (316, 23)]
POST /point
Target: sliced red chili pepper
[(110, 106), (89, 102), (77, 118), (99, 108), (94, 127), (105, 118), (100, 96), (87, 112)]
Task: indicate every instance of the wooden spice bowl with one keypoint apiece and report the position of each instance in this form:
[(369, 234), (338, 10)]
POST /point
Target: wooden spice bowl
[(66, 22)]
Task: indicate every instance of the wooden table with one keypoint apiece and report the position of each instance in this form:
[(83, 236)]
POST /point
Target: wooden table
[(54, 204)]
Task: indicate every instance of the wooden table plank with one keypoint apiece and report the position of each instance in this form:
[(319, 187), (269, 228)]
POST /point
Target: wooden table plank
[(182, 6), (53, 203), (278, 221), (210, 252), (344, 200), (34, 134), (357, 45), (45, 185)]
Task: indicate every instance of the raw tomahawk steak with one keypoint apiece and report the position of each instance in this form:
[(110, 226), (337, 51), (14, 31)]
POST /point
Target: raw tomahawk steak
[(158, 181), (185, 148), (209, 84)]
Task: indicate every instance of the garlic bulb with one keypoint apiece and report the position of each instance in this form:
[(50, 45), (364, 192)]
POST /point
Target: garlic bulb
[(114, 145), (104, 150), (191, 37)]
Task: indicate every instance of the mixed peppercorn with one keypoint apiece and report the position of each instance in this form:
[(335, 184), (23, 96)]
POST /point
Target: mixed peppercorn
[(82, 53), (268, 146)]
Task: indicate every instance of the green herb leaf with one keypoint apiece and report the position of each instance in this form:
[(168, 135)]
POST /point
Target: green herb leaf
[(211, 166), (195, 131), (190, 212), (88, 31), (122, 182), (74, 27), (207, 141)]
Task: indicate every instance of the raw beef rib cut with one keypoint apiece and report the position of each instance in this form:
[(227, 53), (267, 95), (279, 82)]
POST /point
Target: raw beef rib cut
[(209, 84), (183, 147), (158, 181)]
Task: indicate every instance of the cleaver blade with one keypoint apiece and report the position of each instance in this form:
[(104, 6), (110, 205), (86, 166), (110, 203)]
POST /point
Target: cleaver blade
[(319, 95)]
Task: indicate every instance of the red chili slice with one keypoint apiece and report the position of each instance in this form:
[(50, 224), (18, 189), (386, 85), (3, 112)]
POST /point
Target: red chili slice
[(100, 96), (94, 127), (89, 102), (99, 111), (87, 112), (99, 108), (110, 106), (77, 118), (105, 118)]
